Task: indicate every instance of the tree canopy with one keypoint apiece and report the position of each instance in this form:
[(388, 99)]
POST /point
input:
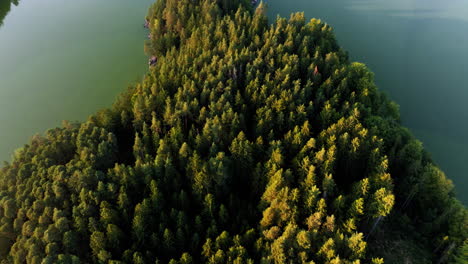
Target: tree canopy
[(246, 142)]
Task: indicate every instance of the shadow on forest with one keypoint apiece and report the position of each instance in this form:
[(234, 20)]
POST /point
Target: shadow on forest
[(5, 6)]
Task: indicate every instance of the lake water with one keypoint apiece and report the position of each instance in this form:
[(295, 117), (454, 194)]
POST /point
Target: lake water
[(64, 59), (418, 50)]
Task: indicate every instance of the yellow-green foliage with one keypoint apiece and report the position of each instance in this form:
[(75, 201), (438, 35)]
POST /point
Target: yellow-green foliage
[(246, 142)]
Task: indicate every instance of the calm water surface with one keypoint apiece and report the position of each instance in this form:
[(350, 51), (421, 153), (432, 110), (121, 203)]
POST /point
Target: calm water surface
[(64, 60), (418, 50)]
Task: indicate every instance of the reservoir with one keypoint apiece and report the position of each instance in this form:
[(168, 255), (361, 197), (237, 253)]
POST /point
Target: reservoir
[(64, 60)]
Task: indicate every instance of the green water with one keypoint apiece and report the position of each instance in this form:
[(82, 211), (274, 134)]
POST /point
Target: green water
[(418, 50), (64, 60)]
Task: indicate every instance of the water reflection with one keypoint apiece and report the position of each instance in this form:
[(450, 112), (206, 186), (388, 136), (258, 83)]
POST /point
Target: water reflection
[(5, 6)]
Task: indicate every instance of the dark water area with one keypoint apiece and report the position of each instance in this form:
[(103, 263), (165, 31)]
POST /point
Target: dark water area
[(418, 50)]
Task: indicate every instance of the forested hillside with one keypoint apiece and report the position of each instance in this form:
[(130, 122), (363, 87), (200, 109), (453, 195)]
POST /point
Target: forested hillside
[(246, 142)]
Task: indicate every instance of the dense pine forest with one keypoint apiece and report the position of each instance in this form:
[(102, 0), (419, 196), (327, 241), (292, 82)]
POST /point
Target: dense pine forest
[(248, 141)]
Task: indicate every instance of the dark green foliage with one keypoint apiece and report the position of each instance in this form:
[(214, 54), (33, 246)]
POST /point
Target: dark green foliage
[(5, 6), (245, 143)]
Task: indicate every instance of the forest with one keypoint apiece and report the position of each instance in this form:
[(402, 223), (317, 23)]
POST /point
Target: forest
[(247, 141)]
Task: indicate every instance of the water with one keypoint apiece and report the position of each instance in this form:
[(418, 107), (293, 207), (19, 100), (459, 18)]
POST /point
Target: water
[(64, 60), (418, 50)]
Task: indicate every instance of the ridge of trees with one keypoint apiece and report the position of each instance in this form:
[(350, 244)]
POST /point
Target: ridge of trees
[(246, 142)]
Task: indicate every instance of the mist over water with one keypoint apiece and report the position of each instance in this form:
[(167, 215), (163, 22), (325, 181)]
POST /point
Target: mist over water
[(418, 50)]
